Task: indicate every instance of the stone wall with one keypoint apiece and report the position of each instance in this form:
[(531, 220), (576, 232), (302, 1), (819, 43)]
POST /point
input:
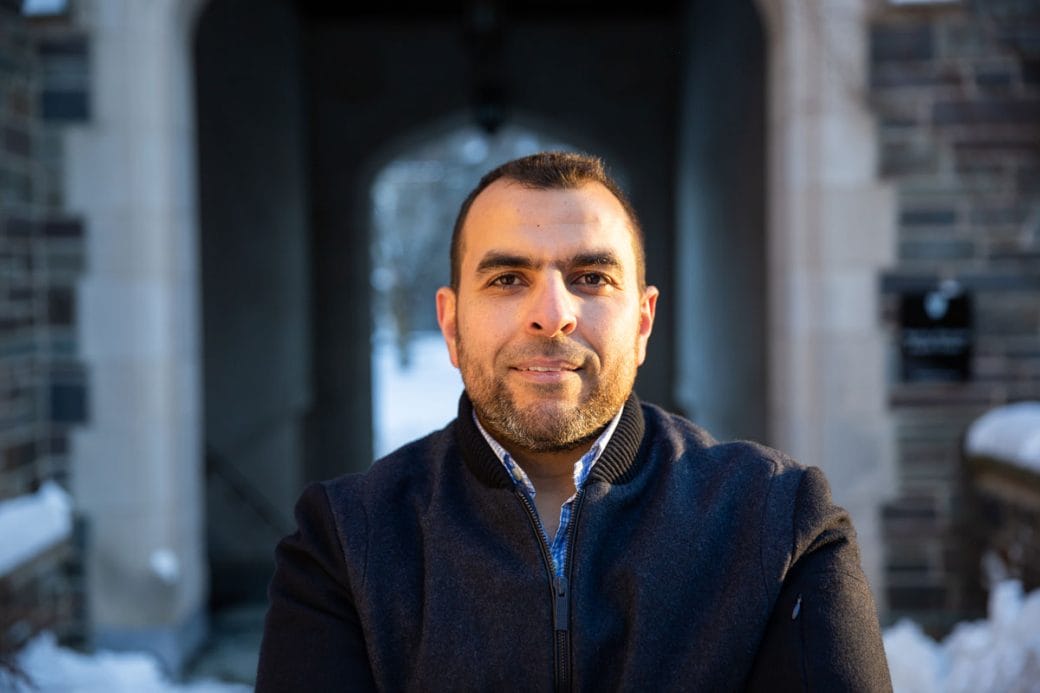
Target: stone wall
[(956, 87), (42, 383)]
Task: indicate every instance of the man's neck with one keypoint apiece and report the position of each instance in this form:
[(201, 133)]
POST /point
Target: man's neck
[(548, 465), (552, 475)]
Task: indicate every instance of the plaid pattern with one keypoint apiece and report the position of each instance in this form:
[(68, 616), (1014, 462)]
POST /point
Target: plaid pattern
[(558, 545)]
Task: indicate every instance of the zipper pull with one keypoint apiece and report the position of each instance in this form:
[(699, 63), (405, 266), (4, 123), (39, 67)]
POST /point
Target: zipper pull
[(561, 617)]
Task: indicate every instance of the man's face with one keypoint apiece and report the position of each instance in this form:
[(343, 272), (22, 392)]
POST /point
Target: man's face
[(548, 324)]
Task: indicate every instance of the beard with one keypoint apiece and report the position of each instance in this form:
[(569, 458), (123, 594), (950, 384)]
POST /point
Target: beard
[(553, 423)]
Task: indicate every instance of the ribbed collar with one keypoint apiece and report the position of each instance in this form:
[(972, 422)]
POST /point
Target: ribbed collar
[(615, 465)]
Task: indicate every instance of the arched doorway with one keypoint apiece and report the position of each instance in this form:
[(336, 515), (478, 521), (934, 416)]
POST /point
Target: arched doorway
[(415, 197), (294, 116), (614, 76)]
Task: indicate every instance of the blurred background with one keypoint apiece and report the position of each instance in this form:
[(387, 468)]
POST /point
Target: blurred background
[(222, 223)]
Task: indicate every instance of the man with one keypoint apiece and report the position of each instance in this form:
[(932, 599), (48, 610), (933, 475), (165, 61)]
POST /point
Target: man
[(560, 534)]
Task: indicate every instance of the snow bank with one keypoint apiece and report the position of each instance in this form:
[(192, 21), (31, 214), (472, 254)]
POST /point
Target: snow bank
[(998, 654), (1010, 433), (52, 669), (31, 524)]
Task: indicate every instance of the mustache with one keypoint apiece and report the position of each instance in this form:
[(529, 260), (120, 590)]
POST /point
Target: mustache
[(568, 351)]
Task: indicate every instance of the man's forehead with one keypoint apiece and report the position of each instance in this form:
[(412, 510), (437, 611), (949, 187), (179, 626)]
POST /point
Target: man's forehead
[(587, 214), (506, 198)]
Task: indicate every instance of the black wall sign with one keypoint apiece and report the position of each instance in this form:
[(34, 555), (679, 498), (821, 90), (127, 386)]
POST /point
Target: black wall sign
[(936, 336)]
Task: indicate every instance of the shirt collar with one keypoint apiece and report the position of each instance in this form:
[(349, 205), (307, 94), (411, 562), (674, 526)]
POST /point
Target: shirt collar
[(582, 467)]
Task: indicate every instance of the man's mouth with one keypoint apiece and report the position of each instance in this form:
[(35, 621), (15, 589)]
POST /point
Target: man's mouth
[(546, 365), (547, 369)]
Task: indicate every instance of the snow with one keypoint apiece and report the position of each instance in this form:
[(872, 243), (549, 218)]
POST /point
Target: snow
[(165, 565), (31, 524), (1001, 653), (411, 401), (52, 668), (1010, 433), (33, 8)]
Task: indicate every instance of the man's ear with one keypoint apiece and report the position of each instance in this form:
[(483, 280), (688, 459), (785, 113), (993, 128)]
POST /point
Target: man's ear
[(647, 310), (446, 319)]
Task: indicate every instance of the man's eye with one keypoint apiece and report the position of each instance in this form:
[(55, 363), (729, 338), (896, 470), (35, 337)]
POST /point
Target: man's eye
[(592, 279), (505, 280)]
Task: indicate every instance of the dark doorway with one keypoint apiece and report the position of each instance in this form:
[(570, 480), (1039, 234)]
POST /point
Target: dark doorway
[(256, 283), (591, 76), (298, 105), (415, 197)]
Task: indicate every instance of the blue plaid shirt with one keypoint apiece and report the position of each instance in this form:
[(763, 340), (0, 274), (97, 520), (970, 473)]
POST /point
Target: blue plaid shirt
[(558, 545)]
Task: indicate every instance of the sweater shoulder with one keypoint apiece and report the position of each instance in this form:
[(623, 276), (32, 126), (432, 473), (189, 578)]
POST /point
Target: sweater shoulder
[(407, 471), (680, 439)]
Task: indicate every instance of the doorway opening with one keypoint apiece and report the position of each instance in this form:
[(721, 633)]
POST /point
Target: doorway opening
[(414, 200)]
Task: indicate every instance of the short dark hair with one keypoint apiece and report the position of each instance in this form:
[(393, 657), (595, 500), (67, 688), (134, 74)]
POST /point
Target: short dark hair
[(551, 171)]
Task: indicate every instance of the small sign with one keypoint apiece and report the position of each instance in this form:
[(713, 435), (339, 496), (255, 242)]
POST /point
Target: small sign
[(936, 336)]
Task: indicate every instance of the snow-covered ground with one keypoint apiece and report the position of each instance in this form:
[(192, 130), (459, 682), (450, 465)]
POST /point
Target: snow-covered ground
[(33, 523), (409, 402), (1010, 433), (54, 669), (1000, 653)]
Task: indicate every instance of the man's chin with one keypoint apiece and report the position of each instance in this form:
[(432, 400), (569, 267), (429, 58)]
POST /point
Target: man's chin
[(554, 426), (550, 444)]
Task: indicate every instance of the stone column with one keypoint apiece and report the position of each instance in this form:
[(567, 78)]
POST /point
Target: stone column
[(831, 231), (137, 464)]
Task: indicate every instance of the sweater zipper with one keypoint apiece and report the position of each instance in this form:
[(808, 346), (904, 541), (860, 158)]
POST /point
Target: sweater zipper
[(561, 628), (559, 586), (563, 601)]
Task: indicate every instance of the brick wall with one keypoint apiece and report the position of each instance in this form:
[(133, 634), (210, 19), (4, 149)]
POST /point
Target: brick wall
[(1004, 535), (42, 384), (956, 88)]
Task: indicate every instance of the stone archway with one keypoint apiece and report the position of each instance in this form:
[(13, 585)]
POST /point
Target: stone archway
[(137, 466)]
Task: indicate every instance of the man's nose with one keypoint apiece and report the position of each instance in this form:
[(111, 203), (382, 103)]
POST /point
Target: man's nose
[(551, 309)]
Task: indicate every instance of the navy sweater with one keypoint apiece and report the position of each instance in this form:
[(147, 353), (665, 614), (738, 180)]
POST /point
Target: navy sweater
[(694, 566)]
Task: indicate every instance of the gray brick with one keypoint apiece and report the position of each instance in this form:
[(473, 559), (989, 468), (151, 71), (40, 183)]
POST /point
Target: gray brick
[(901, 42), (63, 228), (60, 306), (936, 250), (928, 217), (17, 227), (1023, 38), (19, 455), (1027, 181), (1030, 72), (17, 142), (65, 105), (901, 159), (990, 111), (1002, 215), (1012, 250), (68, 403), (896, 75), (994, 79), (17, 100)]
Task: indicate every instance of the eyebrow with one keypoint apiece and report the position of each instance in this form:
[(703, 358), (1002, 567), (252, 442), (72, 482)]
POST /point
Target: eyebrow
[(495, 260)]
